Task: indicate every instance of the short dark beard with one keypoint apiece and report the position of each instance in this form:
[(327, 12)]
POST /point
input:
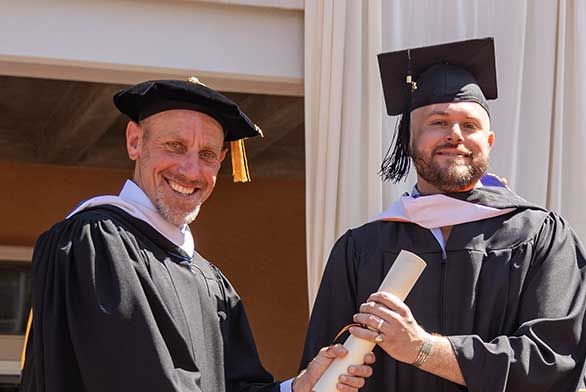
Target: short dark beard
[(452, 179)]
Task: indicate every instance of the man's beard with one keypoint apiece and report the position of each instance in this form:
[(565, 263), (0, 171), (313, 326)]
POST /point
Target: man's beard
[(174, 214), (454, 176)]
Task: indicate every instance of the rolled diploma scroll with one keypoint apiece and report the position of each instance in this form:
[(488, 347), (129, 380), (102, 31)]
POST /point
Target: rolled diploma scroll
[(399, 281)]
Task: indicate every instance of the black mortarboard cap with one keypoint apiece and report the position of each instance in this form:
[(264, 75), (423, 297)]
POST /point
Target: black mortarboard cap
[(412, 78), (453, 72), (148, 98)]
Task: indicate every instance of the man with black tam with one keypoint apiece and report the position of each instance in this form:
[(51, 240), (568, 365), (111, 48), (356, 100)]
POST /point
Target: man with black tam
[(501, 303), (122, 301)]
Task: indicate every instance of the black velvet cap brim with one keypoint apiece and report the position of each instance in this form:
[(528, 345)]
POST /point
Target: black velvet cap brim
[(148, 98)]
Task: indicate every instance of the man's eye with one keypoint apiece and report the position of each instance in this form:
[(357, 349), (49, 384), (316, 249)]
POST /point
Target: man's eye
[(208, 155), (439, 123), (470, 126), (176, 146)]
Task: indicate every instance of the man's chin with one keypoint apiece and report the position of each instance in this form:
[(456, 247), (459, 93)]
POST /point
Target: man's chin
[(451, 179), (187, 219), (450, 175), (178, 216), (180, 219), (450, 163)]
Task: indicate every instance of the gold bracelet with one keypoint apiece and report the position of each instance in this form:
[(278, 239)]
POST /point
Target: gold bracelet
[(424, 352)]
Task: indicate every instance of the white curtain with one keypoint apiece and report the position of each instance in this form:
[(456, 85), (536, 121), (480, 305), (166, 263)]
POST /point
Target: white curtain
[(342, 102), (539, 117)]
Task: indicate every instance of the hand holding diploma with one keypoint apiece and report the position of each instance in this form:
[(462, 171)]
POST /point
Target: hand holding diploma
[(350, 382), (388, 322), (392, 326), (399, 281)]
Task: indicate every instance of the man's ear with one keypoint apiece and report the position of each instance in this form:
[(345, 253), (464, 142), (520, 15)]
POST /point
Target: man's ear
[(491, 137), (133, 140)]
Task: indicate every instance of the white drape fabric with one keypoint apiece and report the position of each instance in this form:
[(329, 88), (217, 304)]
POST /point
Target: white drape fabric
[(342, 101), (539, 118)]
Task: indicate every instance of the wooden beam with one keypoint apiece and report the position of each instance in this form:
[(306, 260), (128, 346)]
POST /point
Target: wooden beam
[(278, 162), (73, 123), (275, 115), (78, 122), (15, 145), (111, 150)]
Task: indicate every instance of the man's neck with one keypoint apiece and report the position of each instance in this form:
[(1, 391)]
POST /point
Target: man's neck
[(426, 188)]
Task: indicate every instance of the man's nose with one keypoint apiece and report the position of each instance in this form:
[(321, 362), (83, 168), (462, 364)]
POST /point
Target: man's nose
[(454, 134), (191, 167)]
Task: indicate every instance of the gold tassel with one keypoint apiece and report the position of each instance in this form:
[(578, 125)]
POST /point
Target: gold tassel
[(239, 161), (237, 151), (26, 335), (195, 80)]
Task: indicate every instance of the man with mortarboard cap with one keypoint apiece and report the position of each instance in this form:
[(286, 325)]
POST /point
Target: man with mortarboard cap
[(121, 299), (501, 303)]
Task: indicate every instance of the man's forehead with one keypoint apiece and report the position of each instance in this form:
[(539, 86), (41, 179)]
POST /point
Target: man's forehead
[(182, 116), (469, 109), (183, 124)]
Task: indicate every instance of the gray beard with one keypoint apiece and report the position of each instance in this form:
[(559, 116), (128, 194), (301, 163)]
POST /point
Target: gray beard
[(175, 215), (451, 179)]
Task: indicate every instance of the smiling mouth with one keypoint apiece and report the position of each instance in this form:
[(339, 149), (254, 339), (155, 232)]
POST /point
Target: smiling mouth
[(454, 154), (184, 190)]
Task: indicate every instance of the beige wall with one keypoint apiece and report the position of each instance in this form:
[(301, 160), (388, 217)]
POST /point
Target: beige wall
[(255, 232), (225, 45)]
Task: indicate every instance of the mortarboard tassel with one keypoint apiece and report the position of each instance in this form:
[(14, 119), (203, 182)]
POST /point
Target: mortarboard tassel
[(237, 151), (239, 161), (397, 161)]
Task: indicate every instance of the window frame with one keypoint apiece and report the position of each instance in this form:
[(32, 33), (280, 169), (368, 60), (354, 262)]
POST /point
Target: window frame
[(11, 345)]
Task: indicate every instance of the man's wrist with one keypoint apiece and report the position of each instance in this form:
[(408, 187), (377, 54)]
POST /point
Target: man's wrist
[(424, 351)]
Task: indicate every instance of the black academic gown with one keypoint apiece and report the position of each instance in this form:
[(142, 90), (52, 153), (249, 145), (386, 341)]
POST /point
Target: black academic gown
[(509, 295), (118, 307)]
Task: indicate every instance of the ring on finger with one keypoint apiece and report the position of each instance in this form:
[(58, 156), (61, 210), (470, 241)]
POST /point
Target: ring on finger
[(379, 339), (380, 323)]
